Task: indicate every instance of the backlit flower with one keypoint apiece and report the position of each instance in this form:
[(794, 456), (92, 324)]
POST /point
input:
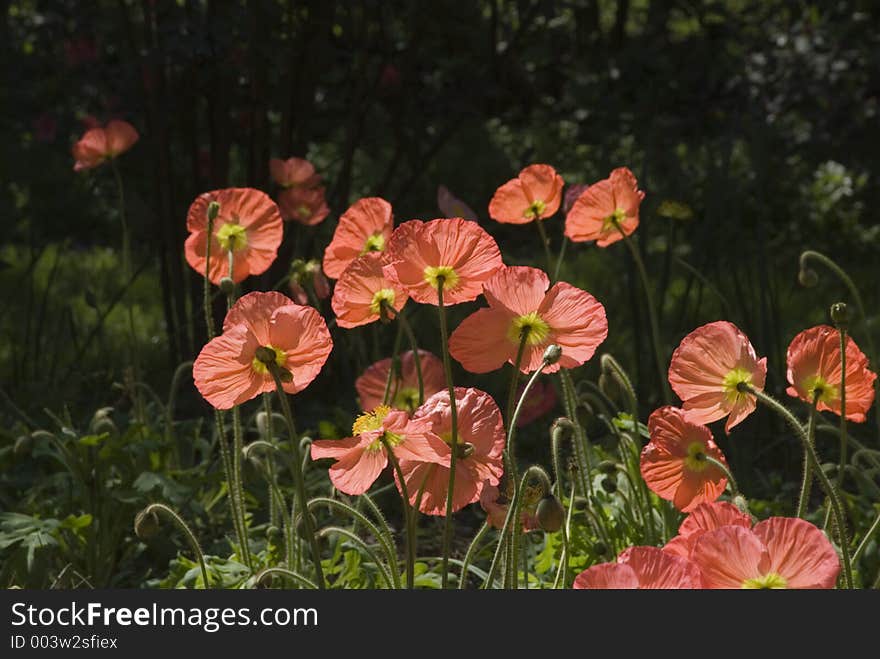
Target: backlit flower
[(304, 205), (704, 518), (707, 368), (674, 463), (534, 194), (814, 370), (404, 390), (495, 505), (456, 252), (520, 305), (294, 172), (362, 290), (781, 552), (480, 445), (228, 370), (248, 225), (646, 568), (361, 458), (98, 145), (365, 227), (606, 209)]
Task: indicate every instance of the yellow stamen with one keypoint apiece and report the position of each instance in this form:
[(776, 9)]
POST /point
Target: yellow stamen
[(696, 457), (434, 273), (730, 384), (535, 328), (816, 384), (407, 398), (610, 223), (375, 243), (232, 237), (370, 420), (768, 581), (385, 295), (536, 209), (280, 359)]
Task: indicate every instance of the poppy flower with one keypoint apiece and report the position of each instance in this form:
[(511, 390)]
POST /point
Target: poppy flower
[(404, 391), (452, 206), (707, 368), (479, 460), (361, 291), (304, 205), (98, 145), (704, 518), (361, 458), (294, 172), (495, 505), (521, 304), (814, 368), (781, 552), (228, 371), (674, 464), (645, 568), (365, 227), (456, 251), (534, 194), (605, 209), (248, 224)]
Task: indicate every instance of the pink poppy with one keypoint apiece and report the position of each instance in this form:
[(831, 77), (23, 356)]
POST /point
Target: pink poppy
[(603, 207), (814, 368), (404, 392), (304, 205), (456, 251), (479, 461), (365, 227), (535, 194), (520, 302), (495, 505), (248, 225), (98, 145), (361, 458), (294, 172), (704, 518), (361, 291), (227, 371), (644, 568), (781, 552), (707, 368)]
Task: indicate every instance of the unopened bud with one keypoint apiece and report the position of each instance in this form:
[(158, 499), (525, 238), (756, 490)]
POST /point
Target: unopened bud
[(146, 525), (464, 450), (273, 533), (840, 314), (227, 286), (609, 484), (808, 277), (552, 354), (562, 429), (550, 514), (213, 210), (262, 421), (23, 445), (608, 466), (740, 502)]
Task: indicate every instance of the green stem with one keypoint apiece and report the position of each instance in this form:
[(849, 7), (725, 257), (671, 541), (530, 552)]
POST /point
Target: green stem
[(408, 515), (414, 346), (843, 438), (469, 555), (290, 574), (546, 243), (298, 479), (237, 481), (560, 258), (864, 543), (562, 571), (152, 509), (447, 368), (126, 240), (652, 313), (827, 485), (169, 407), (724, 469), (206, 293), (271, 475), (231, 490), (380, 534), (395, 351), (807, 482), (514, 378)]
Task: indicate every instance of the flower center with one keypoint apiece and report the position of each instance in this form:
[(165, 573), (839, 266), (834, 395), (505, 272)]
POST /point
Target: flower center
[(370, 420), (434, 274), (232, 237), (731, 383), (303, 211), (531, 326), (696, 457), (817, 385), (611, 222), (768, 581), (261, 368), (535, 210), (407, 398), (385, 295), (375, 243)]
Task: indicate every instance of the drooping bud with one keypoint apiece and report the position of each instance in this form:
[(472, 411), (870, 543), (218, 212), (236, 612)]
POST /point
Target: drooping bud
[(227, 286), (273, 533), (23, 445), (808, 277), (608, 467), (552, 354), (550, 514), (609, 484), (562, 429), (213, 210), (146, 524), (840, 315)]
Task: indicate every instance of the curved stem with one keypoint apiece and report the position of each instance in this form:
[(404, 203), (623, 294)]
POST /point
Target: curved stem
[(414, 346), (237, 481), (827, 485), (546, 244), (723, 468), (447, 368), (298, 480), (169, 407), (652, 313), (358, 517), (190, 536), (562, 571), (407, 516), (864, 543), (290, 574), (514, 378), (387, 574), (843, 438), (126, 240), (807, 482), (395, 351), (469, 555), (560, 259)]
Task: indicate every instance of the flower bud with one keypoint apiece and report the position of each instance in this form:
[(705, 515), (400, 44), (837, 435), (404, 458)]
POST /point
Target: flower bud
[(464, 450), (262, 421), (608, 467), (550, 514), (840, 315), (552, 354), (273, 533), (227, 286), (609, 484), (213, 210), (146, 525), (562, 429), (808, 277), (23, 445)]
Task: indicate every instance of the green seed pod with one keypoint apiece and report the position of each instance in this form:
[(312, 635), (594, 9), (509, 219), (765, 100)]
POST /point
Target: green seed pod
[(550, 514), (227, 286), (552, 353), (213, 210), (840, 315)]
